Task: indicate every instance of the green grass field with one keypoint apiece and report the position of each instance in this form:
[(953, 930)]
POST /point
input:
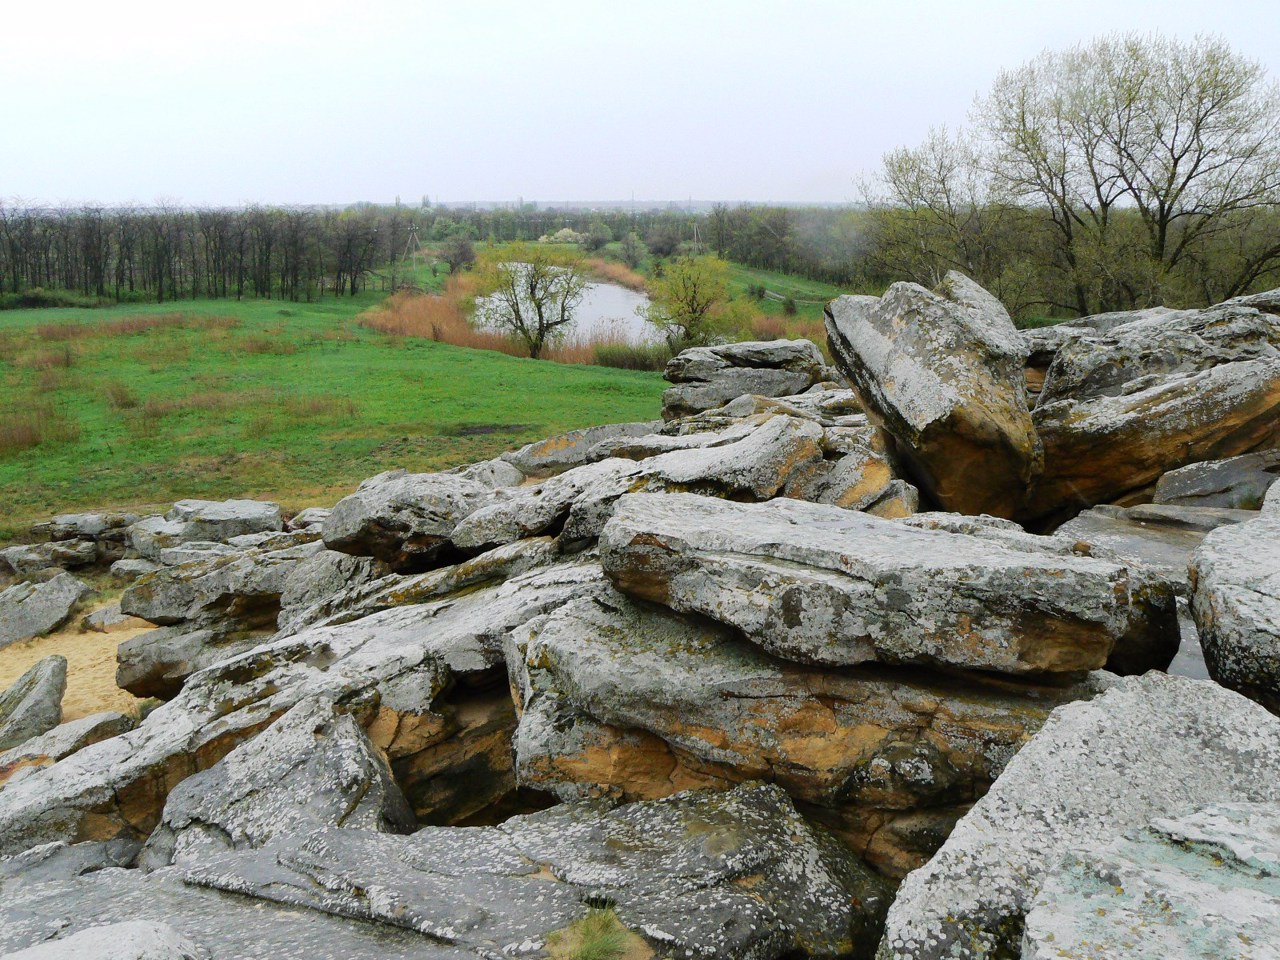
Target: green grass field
[(292, 402), (799, 289)]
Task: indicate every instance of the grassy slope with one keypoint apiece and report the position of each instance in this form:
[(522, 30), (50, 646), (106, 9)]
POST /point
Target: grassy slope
[(296, 403), (786, 285)]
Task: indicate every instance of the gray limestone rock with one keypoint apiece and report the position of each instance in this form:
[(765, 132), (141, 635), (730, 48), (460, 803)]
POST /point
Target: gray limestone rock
[(129, 940), (109, 619), (1150, 746), (30, 558), (150, 535), (1239, 483), (220, 520), (62, 741), (128, 570), (709, 377), (1205, 886), (312, 768), (944, 374), (557, 454), (158, 662), (310, 517), (33, 609), (1236, 603), (33, 704), (1271, 505), (819, 584), (319, 578)]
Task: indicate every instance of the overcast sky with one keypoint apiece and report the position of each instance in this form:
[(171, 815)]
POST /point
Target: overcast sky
[(229, 102)]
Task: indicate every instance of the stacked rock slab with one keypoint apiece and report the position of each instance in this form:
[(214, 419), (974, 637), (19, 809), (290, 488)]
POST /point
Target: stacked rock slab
[(33, 704), (707, 377), (1236, 603), (1153, 746), (61, 741), (944, 374)]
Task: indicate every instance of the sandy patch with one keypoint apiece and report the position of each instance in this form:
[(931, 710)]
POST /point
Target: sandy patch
[(91, 667)]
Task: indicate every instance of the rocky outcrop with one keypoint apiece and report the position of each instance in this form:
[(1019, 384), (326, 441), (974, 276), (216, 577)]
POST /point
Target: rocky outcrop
[(62, 741), (33, 704), (109, 619), (129, 570), (1236, 604), (1151, 746), (558, 454), (944, 374), (708, 377), (221, 520), (1199, 887), (33, 609), (818, 584), (319, 577), (30, 558), (312, 768), (1240, 483)]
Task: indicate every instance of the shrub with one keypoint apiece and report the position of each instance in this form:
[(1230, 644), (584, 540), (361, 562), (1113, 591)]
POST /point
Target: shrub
[(789, 307)]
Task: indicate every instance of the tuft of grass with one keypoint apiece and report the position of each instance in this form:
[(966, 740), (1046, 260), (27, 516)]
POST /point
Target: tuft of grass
[(35, 425), (120, 396), (633, 356), (599, 935)]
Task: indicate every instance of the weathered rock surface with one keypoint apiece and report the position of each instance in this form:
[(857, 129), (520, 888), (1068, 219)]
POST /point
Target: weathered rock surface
[(33, 704), (319, 577), (109, 619), (312, 768), (29, 558), (817, 584), (130, 940), (1102, 449), (708, 377), (1240, 483), (1236, 604), (128, 570), (557, 454), (1199, 887), (1271, 505), (631, 701), (700, 875), (33, 609), (62, 741), (404, 519), (944, 374), (158, 662), (220, 520), (1151, 746), (87, 526), (308, 518)]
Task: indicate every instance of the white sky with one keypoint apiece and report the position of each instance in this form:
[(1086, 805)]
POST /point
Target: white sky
[(225, 102)]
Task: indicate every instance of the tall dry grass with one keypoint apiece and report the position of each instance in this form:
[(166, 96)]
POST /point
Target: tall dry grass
[(610, 271), (143, 323), (33, 425)]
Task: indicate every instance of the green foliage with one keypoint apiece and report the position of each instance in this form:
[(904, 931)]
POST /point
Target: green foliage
[(789, 307), (531, 291), (597, 936), (689, 302)]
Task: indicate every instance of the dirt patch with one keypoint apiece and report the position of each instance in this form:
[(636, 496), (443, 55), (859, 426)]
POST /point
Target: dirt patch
[(91, 667), (484, 429)]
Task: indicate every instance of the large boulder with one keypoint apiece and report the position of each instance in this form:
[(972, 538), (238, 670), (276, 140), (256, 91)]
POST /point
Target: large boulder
[(312, 768), (1236, 604), (220, 520), (1105, 448), (156, 663), (819, 584), (1200, 887), (320, 577), (404, 519), (1239, 483), (33, 609), (708, 377), (944, 374), (33, 704), (700, 875), (630, 701), (1151, 746), (557, 454)]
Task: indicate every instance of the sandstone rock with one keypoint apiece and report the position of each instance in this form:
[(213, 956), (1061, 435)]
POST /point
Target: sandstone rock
[(1159, 344), (158, 662), (222, 520), (404, 519), (1240, 483), (319, 577), (818, 584), (1150, 746), (62, 741), (33, 609), (1199, 887), (312, 768), (557, 454), (130, 570), (1100, 449), (633, 702), (736, 874), (426, 681), (109, 619), (944, 374), (1043, 344), (310, 517), (708, 377), (1236, 604), (68, 554), (130, 940), (856, 472), (33, 704)]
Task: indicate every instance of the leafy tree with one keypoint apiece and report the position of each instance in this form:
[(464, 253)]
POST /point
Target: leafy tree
[(531, 292), (690, 301), (458, 251), (633, 250), (598, 234)]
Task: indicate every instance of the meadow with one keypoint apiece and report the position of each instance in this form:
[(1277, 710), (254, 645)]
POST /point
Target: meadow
[(136, 406)]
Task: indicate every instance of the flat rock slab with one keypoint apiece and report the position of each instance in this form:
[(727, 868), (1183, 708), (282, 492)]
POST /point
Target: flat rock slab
[(709, 377), (1152, 746), (62, 741), (221, 520), (1201, 887), (68, 554), (131, 940), (819, 584), (1236, 604), (33, 609), (1239, 483), (699, 875), (557, 454), (33, 704)]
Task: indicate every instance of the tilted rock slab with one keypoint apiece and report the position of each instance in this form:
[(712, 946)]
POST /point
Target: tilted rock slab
[(426, 682), (818, 584), (33, 704), (31, 558), (1152, 746), (62, 741), (312, 768), (1238, 483), (556, 454), (1200, 887), (631, 701), (700, 875), (944, 374), (708, 377), (1099, 450), (318, 578), (33, 609), (1236, 605)]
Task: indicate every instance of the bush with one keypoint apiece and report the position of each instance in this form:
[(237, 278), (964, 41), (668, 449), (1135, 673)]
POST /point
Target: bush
[(789, 307)]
